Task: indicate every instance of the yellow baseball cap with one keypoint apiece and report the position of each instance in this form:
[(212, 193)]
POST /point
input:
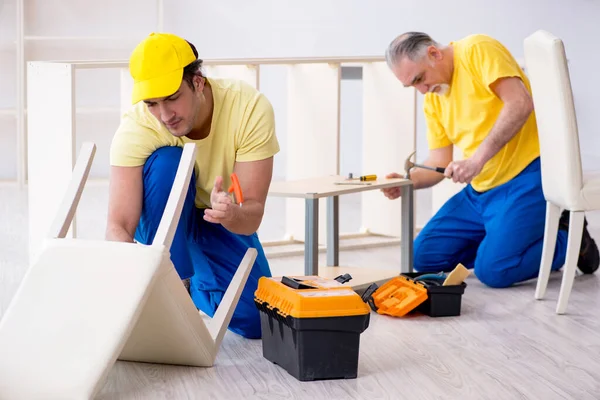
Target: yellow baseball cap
[(156, 65)]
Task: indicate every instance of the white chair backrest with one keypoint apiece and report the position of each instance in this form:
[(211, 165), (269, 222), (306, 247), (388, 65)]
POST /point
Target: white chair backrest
[(83, 304), (556, 119), (68, 206), (169, 329), (170, 218)]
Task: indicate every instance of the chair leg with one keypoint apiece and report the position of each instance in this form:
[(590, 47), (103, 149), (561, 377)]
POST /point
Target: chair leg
[(550, 232), (573, 245)]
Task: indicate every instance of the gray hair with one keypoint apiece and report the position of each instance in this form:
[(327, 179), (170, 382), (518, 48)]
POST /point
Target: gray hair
[(410, 44)]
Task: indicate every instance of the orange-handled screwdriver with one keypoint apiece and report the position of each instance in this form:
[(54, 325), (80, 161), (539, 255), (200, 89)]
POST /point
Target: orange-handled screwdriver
[(368, 178), (237, 189)]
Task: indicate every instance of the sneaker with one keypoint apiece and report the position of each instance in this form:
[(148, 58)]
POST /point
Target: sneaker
[(589, 256)]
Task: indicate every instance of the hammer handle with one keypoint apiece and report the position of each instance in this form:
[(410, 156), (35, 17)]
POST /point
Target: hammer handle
[(436, 169)]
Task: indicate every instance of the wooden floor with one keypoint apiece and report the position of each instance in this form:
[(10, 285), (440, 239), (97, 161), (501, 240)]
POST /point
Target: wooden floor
[(505, 345)]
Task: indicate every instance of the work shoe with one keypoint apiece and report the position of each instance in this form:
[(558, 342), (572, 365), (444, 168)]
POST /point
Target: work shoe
[(186, 284), (589, 256)]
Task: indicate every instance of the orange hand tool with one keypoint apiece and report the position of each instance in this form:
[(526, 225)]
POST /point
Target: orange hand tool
[(236, 188)]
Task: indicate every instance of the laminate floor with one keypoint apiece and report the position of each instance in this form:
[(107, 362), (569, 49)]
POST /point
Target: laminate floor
[(505, 345)]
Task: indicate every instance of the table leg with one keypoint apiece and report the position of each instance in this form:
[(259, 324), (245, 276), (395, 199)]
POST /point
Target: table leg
[(311, 237), (333, 231), (406, 263)]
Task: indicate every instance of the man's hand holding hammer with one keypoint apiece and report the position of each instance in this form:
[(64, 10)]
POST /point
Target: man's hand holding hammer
[(423, 178), (463, 171)]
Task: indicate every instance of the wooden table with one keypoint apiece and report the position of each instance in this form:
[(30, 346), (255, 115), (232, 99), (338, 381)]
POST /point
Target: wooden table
[(315, 188)]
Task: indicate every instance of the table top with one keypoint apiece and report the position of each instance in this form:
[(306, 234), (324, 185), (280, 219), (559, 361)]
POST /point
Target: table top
[(327, 186)]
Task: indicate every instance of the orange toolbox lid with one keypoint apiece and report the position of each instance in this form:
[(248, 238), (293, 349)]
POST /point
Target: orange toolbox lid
[(309, 297), (397, 297)]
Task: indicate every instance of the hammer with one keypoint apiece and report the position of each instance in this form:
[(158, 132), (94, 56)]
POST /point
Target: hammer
[(408, 165)]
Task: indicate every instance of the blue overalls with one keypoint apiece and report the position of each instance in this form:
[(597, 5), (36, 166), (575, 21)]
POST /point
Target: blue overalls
[(499, 232)]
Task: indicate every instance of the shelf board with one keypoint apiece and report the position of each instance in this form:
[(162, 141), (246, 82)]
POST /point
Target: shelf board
[(80, 38), (78, 110)]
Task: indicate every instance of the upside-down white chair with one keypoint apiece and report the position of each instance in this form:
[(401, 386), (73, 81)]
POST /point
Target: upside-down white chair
[(83, 304), (564, 184)]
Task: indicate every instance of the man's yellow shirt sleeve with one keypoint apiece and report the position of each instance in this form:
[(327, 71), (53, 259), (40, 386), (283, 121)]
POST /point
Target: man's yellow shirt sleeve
[(257, 139), (490, 61), (436, 134)]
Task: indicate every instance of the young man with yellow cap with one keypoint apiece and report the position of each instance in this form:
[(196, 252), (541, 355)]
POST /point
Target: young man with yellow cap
[(232, 125)]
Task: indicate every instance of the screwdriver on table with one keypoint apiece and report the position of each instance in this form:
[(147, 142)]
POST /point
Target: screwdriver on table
[(363, 178)]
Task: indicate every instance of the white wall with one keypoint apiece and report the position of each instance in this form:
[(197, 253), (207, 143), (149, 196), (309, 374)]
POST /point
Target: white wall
[(268, 28)]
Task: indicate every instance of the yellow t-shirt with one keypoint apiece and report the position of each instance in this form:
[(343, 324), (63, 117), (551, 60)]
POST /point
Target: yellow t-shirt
[(467, 112), (242, 129)]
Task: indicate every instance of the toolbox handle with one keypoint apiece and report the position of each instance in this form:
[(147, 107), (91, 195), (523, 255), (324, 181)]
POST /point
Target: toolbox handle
[(367, 296), (295, 283), (343, 278)]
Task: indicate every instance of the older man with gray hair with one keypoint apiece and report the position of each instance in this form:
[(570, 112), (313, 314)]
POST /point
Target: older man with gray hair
[(479, 99)]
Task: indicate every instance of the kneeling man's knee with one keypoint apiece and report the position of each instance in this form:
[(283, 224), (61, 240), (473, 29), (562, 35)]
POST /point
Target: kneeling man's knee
[(164, 160), (494, 278), (427, 256)]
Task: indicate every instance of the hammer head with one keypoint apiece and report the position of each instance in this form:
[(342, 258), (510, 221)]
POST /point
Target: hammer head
[(408, 165)]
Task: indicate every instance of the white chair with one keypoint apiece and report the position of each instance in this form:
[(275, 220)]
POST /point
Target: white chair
[(83, 304), (564, 185)]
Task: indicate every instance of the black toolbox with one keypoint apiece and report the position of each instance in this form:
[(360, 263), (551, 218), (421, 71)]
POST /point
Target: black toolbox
[(442, 301), (311, 326)]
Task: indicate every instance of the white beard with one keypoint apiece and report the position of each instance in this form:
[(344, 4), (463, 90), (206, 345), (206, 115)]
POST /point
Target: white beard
[(444, 87)]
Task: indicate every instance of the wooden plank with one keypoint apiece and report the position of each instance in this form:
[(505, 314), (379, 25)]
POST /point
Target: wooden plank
[(327, 186)]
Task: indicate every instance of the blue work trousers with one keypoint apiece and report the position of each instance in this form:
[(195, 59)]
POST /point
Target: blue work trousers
[(498, 232), (207, 253)]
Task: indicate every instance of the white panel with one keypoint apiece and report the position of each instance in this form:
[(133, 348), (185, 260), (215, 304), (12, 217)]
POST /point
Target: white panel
[(125, 89), (9, 74), (312, 136), (8, 24), (351, 140), (97, 88), (8, 144), (388, 138), (99, 128), (20, 107), (51, 153), (248, 73), (273, 84)]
